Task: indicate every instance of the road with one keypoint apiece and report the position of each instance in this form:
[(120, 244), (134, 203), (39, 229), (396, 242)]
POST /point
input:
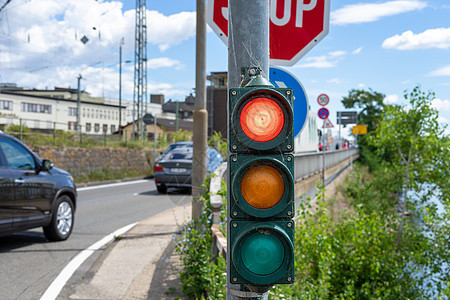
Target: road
[(29, 263)]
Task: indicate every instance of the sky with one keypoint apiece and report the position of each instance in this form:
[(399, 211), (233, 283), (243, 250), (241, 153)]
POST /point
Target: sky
[(389, 46)]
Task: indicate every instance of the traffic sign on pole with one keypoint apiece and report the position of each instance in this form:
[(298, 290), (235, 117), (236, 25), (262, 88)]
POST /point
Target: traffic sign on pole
[(323, 113), (327, 123), (296, 26), (283, 79), (323, 99)]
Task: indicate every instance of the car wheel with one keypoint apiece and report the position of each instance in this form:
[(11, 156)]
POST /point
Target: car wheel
[(61, 225), (161, 189)]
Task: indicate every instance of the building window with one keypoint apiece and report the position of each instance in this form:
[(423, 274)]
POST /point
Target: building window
[(105, 128), (88, 127), (84, 112), (73, 111), (6, 105), (72, 126), (97, 127), (96, 114), (36, 108), (113, 128)]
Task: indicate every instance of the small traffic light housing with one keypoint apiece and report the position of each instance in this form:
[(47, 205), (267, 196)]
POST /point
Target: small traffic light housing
[(261, 184)]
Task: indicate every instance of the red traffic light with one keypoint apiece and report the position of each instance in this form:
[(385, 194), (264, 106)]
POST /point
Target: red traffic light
[(262, 119)]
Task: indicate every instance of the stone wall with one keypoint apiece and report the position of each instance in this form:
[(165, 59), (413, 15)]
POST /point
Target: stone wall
[(81, 161)]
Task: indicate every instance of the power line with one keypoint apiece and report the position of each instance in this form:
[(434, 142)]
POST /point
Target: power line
[(6, 3)]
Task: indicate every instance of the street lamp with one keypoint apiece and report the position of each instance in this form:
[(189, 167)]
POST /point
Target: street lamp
[(120, 84)]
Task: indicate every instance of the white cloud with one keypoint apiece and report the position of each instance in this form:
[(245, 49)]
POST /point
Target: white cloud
[(391, 99), (334, 80), (441, 105), (431, 38), (166, 31), (357, 51), (370, 12), (324, 61), (164, 62), (41, 47), (444, 71)]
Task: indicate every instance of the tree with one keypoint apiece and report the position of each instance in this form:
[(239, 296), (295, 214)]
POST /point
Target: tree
[(411, 140), (372, 107), (415, 151), (370, 102)]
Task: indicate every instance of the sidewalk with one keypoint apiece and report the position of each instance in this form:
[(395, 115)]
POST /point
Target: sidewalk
[(141, 264)]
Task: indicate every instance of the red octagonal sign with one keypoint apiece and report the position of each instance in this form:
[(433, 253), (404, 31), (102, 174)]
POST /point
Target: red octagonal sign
[(295, 26)]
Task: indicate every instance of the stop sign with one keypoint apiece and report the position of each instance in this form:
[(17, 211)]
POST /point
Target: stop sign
[(295, 26)]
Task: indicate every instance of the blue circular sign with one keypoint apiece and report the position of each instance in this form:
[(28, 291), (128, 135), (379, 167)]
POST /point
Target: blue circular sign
[(283, 79), (323, 113)]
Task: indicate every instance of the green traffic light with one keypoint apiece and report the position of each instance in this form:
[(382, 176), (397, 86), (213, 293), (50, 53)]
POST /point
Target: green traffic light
[(262, 253)]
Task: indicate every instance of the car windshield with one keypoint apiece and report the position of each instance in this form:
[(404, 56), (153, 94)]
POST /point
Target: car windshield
[(178, 155)]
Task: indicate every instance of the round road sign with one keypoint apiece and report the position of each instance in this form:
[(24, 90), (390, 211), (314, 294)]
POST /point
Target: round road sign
[(323, 113), (282, 78), (323, 99)]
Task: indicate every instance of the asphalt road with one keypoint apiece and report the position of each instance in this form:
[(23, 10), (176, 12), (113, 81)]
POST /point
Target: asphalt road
[(29, 263)]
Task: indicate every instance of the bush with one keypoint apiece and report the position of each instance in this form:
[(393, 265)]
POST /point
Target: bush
[(201, 277), (357, 258)]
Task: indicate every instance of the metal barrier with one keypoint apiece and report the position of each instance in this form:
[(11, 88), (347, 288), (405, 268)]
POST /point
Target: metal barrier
[(309, 164)]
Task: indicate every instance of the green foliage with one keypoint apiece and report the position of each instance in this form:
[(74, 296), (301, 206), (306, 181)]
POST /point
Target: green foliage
[(181, 135), (15, 129), (370, 103), (219, 143), (357, 256), (201, 277), (412, 145), (371, 108)]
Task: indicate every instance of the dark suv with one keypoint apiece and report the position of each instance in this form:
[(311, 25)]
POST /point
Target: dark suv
[(33, 193)]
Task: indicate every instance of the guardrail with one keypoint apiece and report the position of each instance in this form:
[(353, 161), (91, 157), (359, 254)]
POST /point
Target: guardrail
[(307, 165)]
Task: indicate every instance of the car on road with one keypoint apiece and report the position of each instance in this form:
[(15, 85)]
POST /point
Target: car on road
[(174, 169), (174, 146), (33, 193)]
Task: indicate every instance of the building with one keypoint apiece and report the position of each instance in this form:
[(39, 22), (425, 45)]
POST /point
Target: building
[(48, 110), (216, 95)]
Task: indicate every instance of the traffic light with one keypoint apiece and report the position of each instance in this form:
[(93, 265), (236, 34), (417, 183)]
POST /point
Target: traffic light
[(261, 184)]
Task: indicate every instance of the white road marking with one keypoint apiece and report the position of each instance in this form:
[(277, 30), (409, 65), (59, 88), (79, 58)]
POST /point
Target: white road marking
[(57, 285), (109, 185)]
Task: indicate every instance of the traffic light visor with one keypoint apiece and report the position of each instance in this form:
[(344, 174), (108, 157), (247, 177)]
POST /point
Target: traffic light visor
[(262, 119), (262, 186)]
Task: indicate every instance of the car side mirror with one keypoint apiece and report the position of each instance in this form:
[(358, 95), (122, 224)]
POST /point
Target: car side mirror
[(47, 165)]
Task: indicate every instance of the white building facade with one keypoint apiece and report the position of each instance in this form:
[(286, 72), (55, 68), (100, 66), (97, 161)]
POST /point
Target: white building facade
[(49, 113)]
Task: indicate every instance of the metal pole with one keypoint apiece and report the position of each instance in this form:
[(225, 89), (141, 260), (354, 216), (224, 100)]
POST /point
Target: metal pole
[(248, 46), (200, 113), (323, 161), (120, 87), (154, 138), (54, 133), (20, 129), (177, 115), (78, 105), (339, 128)]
